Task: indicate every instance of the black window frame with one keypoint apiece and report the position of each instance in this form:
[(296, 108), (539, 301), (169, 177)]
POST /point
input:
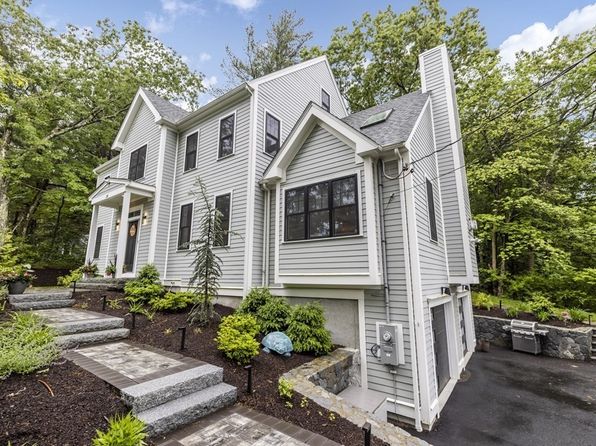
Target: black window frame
[(194, 152), (184, 245), (97, 246), (221, 137), (326, 106), (330, 208), (134, 167), (432, 215), (277, 137), (226, 231)]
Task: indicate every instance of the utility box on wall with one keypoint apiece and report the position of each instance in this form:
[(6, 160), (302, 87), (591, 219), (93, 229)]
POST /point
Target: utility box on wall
[(390, 338)]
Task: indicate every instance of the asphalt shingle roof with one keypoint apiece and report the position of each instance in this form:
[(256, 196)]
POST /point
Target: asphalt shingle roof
[(398, 126), (165, 108)]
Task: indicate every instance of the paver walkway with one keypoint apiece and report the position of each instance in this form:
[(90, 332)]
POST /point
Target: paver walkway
[(241, 426)]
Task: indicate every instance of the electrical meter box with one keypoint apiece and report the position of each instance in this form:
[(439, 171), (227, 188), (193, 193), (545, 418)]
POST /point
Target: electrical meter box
[(390, 338)]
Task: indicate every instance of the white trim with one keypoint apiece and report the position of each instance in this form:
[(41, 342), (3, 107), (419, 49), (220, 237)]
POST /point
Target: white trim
[(319, 293), (312, 240), (92, 225), (192, 221), (362, 342), (278, 204), (112, 229), (251, 180), (362, 279), (231, 194), (285, 71), (266, 237), (265, 113), (157, 200), (184, 169), (139, 218), (234, 135), (105, 166), (312, 116), (371, 218), (100, 242), (165, 266)]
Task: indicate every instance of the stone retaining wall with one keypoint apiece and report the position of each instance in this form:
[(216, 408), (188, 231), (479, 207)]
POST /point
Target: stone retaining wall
[(560, 342), (320, 380)]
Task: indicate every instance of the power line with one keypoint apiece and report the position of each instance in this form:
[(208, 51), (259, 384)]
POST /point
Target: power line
[(515, 141), (512, 106)]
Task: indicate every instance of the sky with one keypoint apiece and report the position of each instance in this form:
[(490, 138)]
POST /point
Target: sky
[(200, 30)]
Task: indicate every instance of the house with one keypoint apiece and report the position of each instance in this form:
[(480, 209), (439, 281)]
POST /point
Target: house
[(367, 213)]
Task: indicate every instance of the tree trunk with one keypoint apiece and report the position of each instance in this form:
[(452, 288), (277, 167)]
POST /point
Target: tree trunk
[(4, 184), (493, 255)]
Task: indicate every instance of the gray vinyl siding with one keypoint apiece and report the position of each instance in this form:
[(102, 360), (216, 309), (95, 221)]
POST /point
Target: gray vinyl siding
[(105, 218), (430, 352), (433, 264), (165, 201), (435, 83), (220, 177), (323, 156), (379, 378), (285, 98), (143, 131)]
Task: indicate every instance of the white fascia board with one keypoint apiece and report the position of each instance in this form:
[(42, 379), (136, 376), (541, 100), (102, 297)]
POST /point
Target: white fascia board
[(312, 116), (330, 279), (140, 97), (105, 166)]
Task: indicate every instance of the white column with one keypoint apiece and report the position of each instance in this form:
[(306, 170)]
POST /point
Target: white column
[(92, 232), (121, 247)]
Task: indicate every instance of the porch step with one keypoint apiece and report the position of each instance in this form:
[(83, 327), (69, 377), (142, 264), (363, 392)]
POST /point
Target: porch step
[(173, 414), (147, 395), (90, 325), (39, 297), (92, 337), (42, 304), (102, 284)]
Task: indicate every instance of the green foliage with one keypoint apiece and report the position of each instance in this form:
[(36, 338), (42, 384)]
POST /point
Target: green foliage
[(280, 50), (89, 268), (203, 311), (482, 300), (541, 307), (512, 311), (236, 338), (110, 269), (285, 388), (63, 96), (254, 300), (273, 315), (145, 287), (173, 301), (578, 315), (122, 431), (306, 329), (74, 276), (26, 345)]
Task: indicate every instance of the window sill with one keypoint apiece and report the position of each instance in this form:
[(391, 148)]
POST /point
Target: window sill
[(189, 170), (341, 237), (225, 157), (222, 246)]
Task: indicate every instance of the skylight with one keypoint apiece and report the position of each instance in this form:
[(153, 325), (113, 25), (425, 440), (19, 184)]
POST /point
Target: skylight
[(377, 118)]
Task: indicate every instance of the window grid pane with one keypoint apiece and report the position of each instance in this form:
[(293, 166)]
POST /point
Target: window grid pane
[(190, 161), (98, 237), (325, 100), (136, 169), (272, 134), (431, 210), (222, 204), (185, 226), (226, 136)]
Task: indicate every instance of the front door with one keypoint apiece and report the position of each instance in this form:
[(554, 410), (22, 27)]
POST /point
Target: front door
[(131, 246), (441, 348)]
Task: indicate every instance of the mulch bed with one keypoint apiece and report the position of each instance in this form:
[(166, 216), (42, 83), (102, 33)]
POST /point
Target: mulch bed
[(267, 368), (499, 312), (29, 414)]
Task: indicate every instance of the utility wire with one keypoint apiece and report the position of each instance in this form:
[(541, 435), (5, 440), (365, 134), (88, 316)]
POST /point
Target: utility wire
[(512, 106), (515, 141)]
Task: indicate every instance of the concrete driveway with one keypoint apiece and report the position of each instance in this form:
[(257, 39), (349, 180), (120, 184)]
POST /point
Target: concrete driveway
[(512, 398)]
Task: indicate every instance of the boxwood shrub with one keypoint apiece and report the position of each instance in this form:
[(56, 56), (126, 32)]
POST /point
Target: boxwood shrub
[(236, 338)]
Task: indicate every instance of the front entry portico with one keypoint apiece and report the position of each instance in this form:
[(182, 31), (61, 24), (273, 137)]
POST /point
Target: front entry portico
[(119, 194)]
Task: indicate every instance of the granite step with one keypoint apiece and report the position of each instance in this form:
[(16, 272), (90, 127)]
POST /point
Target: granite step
[(173, 414), (147, 395), (88, 325), (93, 337), (42, 304), (39, 297)]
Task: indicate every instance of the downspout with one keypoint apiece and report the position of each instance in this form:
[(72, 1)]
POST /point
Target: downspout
[(266, 227), (415, 382), (383, 244)]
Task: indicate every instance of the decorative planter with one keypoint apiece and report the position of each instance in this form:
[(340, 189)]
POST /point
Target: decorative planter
[(88, 275), (17, 287)]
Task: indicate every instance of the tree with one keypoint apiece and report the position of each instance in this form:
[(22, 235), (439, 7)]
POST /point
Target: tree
[(377, 58), (206, 263), (62, 99), (281, 49)]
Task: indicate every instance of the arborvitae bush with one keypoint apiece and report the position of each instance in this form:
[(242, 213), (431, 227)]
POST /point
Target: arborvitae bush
[(236, 337), (306, 329), (273, 316), (255, 299)]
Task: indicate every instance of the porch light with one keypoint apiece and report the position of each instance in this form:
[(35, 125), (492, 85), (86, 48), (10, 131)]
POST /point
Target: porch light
[(117, 224), (144, 218)]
